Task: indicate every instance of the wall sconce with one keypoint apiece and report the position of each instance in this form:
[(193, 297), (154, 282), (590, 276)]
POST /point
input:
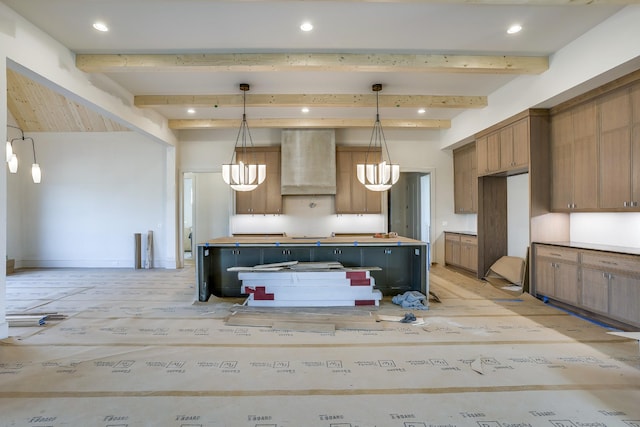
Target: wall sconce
[(12, 159)]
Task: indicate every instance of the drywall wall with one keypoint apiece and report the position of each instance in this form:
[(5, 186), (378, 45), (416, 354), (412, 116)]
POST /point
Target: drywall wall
[(518, 215), (97, 190)]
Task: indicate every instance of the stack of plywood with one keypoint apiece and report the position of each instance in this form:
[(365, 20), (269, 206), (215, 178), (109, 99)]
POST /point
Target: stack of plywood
[(313, 288)]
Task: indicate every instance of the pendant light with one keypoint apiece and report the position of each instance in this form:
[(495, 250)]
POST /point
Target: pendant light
[(378, 176), (12, 159), (243, 176)]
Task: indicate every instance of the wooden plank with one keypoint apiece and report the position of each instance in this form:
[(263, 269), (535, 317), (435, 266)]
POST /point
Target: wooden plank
[(183, 124), (337, 62), (313, 100)]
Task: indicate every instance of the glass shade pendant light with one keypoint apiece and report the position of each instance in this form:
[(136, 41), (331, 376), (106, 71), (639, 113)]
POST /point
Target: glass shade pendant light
[(243, 176), (378, 176), (13, 163), (9, 150)]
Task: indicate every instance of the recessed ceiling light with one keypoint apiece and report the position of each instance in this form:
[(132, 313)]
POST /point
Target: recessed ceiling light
[(306, 26), (191, 111), (516, 28), (305, 110), (422, 111), (101, 26)]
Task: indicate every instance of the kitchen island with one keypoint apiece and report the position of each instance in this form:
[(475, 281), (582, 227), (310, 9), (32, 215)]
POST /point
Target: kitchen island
[(403, 262)]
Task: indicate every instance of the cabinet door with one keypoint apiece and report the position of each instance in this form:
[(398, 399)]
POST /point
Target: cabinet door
[(566, 282), (585, 158), (397, 274), (545, 278), (469, 253), (226, 283), (562, 161), (465, 180), (266, 199), (493, 152), (452, 249), (615, 150), (624, 298), (521, 144), (351, 195), (505, 136), (635, 147), (595, 290)]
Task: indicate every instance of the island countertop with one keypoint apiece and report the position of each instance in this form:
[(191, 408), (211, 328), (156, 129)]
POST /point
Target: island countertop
[(352, 240)]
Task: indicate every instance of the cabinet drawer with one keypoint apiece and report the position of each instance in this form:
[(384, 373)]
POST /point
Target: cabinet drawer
[(452, 237), (612, 262), (470, 240), (555, 252)]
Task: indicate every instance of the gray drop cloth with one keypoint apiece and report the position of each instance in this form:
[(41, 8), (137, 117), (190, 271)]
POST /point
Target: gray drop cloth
[(410, 299)]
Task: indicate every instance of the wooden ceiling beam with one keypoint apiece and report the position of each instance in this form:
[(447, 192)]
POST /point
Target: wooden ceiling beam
[(312, 100), (336, 62), (184, 124)]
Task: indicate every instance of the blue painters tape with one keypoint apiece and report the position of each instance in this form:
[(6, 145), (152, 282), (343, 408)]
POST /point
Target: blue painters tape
[(399, 243), (206, 245), (277, 243), (318, 243), (355, 243), (237, 244)]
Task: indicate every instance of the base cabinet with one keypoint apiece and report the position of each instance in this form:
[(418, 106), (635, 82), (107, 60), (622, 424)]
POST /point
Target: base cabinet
[(606, 284), (402, 267), (461, 251)]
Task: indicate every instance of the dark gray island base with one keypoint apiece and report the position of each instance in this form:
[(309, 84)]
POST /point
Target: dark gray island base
[(403, 261)]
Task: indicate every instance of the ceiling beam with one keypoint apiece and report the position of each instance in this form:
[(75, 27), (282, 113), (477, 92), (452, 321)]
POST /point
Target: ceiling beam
[(184, 124), (312, 100), (338, 62)]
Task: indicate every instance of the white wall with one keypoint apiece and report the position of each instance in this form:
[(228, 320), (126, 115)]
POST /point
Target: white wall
[(617, 229), (97, 190), (518, 215)]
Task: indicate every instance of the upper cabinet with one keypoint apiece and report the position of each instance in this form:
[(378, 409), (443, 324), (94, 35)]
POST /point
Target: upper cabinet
[(574, 159), (503, 149), (595, 153), (352, 197), (265, 199), (465, 179), (619, 115)]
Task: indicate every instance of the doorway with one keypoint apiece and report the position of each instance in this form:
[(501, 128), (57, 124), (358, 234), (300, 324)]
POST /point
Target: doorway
[(410, 206), (206, 209)]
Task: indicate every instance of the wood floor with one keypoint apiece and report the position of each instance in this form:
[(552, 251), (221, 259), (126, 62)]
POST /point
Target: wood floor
[(135, 348)]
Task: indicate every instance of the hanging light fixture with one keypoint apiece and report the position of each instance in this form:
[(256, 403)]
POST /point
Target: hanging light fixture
[(12, 159), (378, 176), (243, 176)]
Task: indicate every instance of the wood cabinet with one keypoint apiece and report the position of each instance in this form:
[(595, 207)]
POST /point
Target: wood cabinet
[(352, 197), (266, 199), (557, 273), (465, 179), (504, 148), (514, 146), (461, 250), (605, 284), (574, 155), (619, 160)]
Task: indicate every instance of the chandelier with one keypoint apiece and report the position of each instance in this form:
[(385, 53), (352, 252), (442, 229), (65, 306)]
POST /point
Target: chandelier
[(243, 176), (378, 176)]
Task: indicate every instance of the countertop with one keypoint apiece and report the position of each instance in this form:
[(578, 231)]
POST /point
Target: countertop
[(595, 247), (311, 241)]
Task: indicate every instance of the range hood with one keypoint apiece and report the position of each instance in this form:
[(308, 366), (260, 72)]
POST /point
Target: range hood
[(308, 162)]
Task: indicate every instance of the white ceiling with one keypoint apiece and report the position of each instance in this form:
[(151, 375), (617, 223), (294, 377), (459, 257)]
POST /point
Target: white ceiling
[(263, 26)]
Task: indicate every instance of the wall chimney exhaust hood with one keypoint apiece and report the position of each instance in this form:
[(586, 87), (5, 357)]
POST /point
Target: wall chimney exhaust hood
[(308, 162)]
